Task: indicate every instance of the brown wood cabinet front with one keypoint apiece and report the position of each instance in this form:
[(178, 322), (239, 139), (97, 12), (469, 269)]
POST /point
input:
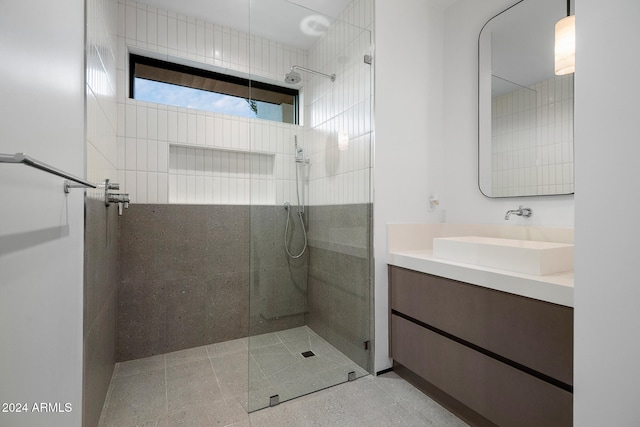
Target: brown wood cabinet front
[(536, 334), (500, 393), (506, 357)]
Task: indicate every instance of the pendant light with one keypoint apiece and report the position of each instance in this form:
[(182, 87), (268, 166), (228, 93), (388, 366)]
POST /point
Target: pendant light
[(565, 47)]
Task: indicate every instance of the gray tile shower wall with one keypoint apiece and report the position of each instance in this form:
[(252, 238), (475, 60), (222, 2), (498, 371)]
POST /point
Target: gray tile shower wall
[(278, 282), (340, 284), (100, 304), (186, 278), (192, 275)]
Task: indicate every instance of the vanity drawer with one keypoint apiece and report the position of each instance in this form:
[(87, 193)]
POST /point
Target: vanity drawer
[(504, 395), (532, 333)]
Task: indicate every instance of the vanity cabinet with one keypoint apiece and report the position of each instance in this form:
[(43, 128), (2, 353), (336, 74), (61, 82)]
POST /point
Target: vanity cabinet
[(492, 357)]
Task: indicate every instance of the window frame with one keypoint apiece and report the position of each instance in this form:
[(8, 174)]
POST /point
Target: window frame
[(240, 82)]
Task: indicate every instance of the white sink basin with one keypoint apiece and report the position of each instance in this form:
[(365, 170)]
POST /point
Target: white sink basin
[(522, 256)]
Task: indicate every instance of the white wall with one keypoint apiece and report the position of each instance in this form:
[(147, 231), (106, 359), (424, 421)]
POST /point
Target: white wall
[(607, 293), (341, 176), (168, 154), (41, 228), (408, 131), (101, 83), (460, 196)]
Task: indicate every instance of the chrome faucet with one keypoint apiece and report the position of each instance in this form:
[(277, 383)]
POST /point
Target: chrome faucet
[(521, 211)]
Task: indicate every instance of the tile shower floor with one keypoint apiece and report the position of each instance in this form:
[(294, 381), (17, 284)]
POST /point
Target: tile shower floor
[(207, 386)]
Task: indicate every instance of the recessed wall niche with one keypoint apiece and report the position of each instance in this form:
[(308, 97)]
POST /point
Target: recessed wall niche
[(205, 175)]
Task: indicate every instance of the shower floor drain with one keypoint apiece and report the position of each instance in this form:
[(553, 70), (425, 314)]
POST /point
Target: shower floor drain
[(308, 353)]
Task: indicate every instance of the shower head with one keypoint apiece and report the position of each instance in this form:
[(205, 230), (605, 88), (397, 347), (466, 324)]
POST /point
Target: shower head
[(292, 77)]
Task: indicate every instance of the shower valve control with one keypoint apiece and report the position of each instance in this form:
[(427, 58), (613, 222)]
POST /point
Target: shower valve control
[(122, 199)]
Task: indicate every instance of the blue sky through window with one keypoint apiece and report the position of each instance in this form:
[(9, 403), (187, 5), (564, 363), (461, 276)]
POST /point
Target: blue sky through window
[(180, 96)]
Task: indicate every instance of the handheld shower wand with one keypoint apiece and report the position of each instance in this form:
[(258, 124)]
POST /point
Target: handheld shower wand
[(299, 152), (299, 155)]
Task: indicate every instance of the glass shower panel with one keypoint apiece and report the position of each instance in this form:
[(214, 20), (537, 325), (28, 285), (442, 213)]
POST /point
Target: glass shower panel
[(310, 222)]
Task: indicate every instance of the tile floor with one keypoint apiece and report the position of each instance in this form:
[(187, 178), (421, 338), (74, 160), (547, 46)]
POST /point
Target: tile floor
[(207, 386), (277, 366)]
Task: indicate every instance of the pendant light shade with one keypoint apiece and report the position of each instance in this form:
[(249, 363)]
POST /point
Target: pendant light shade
[(565, 47)]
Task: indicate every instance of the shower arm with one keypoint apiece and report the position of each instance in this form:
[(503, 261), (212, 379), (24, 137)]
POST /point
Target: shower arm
[(331, 77)]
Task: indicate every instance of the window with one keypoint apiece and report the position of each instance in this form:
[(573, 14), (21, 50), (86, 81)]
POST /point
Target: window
[(168, 83)]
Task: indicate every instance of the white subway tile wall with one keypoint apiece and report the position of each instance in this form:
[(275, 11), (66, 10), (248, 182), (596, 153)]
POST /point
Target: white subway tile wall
[(532, 146), (102, 119), (344, 106), (235, 160)]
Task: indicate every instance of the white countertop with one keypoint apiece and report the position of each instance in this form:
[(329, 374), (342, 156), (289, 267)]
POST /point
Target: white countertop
[(553, 288)]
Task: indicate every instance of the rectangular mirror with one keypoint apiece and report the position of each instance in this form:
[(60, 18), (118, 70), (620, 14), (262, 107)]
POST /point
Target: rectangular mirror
[(525, 111)]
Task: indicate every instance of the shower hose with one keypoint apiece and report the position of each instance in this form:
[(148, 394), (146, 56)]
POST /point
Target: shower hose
[(287, 206)]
